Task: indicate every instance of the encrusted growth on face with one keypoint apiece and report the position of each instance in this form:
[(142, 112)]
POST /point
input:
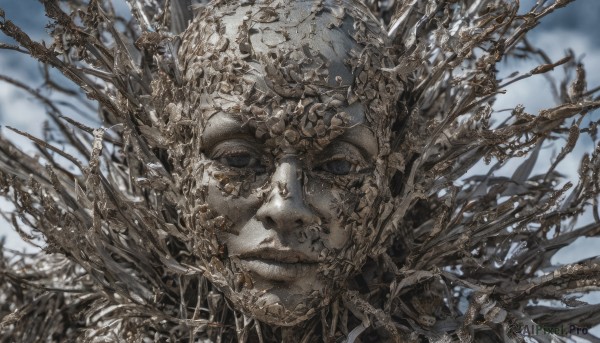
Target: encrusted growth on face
[(280, 140)]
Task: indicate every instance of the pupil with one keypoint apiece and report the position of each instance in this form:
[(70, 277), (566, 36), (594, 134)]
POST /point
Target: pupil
[(239, 161), (339, 167)]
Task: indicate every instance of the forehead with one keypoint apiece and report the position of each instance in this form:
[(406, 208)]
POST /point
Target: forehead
[(321, 39), (293, 65)]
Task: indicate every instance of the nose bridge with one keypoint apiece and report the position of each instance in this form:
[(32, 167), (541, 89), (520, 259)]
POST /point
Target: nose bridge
[(287, 178), (285, 207)]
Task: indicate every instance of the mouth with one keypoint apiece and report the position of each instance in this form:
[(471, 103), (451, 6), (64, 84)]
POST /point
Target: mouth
[(280, 265)]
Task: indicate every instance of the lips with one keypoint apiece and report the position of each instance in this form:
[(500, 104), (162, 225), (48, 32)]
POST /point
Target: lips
[(278, 264), (278, 255)]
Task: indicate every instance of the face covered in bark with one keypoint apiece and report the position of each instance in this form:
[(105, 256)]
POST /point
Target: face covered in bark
[(285, 178)]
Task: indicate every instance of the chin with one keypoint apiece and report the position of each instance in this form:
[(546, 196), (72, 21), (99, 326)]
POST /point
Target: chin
[(279, 304), (274, 308)]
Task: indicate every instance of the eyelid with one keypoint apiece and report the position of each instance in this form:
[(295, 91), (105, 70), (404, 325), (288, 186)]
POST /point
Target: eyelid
[(243, 137), (343, 157), (230, 147), (363, 138), (220, 126), (345, 150)]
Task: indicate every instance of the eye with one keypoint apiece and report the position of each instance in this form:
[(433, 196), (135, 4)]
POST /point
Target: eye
[(341, 158), (237, 154), (240, 160), (336, 167)]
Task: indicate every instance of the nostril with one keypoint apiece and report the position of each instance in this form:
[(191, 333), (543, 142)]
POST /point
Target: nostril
[(270, 222), (299, 222)]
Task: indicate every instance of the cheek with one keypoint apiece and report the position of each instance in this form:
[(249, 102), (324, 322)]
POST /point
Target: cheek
[(333, 205), (231, 197)]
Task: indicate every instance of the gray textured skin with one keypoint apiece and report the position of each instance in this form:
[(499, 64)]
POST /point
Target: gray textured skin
[(291, 233)]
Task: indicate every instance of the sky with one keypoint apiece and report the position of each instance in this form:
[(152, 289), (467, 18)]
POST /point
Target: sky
[(575, 27)]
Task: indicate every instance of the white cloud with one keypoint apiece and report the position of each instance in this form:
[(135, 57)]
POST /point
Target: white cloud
[(534, 92)]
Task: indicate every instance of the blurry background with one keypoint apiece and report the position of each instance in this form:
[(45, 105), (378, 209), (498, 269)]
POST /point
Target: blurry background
[(574, 27)]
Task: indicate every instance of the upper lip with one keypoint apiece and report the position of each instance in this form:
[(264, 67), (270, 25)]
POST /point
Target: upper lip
[(278, 255)]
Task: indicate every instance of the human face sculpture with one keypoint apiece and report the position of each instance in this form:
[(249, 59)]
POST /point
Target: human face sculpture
[(293, 117)]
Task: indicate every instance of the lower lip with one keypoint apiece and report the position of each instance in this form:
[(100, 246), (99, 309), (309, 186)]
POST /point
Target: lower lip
[(278, 271)]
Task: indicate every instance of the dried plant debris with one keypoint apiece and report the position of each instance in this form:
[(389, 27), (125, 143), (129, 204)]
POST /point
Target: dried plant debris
[(133, 234)]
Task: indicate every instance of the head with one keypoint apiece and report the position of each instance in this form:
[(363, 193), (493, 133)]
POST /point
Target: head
[(284, 163)]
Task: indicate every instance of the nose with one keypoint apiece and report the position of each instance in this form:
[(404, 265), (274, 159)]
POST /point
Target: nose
[(285, 208)]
